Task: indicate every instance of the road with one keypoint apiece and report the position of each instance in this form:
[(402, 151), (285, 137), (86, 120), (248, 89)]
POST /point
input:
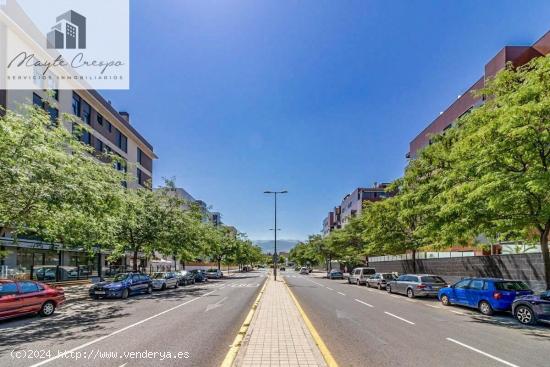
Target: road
[(196, 324), (367, 327)]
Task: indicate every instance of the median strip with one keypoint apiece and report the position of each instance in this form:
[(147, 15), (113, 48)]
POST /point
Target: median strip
[(400, 318), (483, 353)]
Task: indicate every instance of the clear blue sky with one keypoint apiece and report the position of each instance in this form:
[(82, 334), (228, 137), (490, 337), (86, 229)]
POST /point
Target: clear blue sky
[(317, 97)]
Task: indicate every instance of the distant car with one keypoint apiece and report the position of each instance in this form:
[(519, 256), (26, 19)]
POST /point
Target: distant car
[(380, 280), (185, 277), (122, 286), (359, 275), (200, 276), (414, 285), (532, 308), (282, 268), (486, 294), (304, 270), (165, 280), (335, 274), (214, 273), (24, 297)]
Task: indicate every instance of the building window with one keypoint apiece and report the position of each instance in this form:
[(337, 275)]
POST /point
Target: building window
[(100, 119), (122, 141), (37, 100), (86, 112), (99, 145), (77, 101), (54, 114), (109, 126), (86, 137), (139, 156)]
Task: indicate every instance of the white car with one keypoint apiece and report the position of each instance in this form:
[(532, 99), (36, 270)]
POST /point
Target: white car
[(164, 280), (304, 270), (214, 273)]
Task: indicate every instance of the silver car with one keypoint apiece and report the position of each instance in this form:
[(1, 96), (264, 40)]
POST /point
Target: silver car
[(164, 280), (380, 280), (214, 273), (416, 285), (359, 275)]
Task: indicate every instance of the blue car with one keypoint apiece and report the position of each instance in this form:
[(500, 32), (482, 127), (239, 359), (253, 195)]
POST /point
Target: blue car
[(486, 294), (122, 286), (530, 309)]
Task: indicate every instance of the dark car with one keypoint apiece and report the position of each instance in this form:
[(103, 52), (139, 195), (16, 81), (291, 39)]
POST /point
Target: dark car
[(122, 286), (414, 285), (185, 277), (200, 276), (28, 297), (335, 274), (485, 294), (532, 308)]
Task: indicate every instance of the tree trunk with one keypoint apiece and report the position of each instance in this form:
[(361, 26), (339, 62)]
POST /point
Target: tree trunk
[(219, 264), (414, 260), (545, 255), (135, 259)]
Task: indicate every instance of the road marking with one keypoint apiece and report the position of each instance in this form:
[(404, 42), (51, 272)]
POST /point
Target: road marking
[(343, 294), (365, 303), (400, 318), (117, 331), (482, 352), (457, 312), (411, 300), (433, 306), (122, 365), (330, 289)]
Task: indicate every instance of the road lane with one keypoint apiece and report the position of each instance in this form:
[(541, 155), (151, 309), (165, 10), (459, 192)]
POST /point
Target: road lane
[(372, 335), (201, 320)]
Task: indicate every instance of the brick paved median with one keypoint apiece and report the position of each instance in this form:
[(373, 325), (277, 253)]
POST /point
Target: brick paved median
[(277, 335)]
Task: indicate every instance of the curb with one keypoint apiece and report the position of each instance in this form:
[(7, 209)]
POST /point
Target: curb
[(236, 345), (329, 359)]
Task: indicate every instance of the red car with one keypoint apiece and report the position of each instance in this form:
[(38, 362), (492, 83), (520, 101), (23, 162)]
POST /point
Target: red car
[(23, 297)]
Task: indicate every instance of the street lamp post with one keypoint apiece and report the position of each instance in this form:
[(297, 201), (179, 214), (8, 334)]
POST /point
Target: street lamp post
[(275, 193)]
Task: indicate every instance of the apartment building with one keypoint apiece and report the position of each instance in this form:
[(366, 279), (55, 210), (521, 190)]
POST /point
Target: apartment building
[(517, 55), (207, 216)]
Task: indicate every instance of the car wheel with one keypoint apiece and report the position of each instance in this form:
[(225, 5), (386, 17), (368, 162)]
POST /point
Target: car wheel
[(163, 287), (410, 293), (379, 286), (485, 308), (176, 285), (349, 281), (525, 315), (125, 294), (47, 309), (357, 282), (149, 289), (388, 288), (95, 296), (445, 300)]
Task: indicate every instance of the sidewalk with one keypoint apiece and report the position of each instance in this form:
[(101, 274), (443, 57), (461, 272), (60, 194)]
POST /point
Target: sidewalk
[(277, 335)]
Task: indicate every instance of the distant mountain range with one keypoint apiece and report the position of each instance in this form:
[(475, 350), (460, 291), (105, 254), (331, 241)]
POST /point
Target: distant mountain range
[(282, 245)]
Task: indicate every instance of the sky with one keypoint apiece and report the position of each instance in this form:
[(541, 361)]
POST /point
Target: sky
[(312, 96)]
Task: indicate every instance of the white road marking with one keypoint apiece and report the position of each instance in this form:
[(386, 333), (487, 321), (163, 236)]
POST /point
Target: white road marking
[(400, 318), (434, 306), (482, 352), (343, 294), (411, 300), (365, 303), (330, 289), (116, 332), (457, 312), (122, 365)]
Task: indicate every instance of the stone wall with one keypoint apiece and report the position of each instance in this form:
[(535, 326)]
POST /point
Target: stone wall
[(526, 267)]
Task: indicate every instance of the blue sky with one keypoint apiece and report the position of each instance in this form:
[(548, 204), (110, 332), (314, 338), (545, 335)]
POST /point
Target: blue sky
[(316, 97)]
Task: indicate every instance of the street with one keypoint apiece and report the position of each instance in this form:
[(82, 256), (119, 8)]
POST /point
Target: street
[(363, 326), (195, 324)]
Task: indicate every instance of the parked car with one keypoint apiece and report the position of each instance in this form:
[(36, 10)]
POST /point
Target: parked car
[(46, 273), (200, 276), (185, 277), (532, 308), (304, 270), (122, 286), (359, 275), (214, 273), (486, 294), (414, 285), (24, 297), (165, 280), (335, 274), (380, 280)]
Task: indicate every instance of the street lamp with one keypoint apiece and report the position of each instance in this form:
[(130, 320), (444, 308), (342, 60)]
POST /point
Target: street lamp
[(275, 229)]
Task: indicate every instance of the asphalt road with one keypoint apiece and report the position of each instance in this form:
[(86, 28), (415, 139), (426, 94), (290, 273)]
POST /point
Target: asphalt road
[(188, 326), (367, 327)]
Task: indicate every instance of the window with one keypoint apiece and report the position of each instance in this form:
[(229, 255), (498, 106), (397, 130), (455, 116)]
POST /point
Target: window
[(86, 112), (511, 286), (54, 114), (98, 145), (140, 177), (121, 141), (37, 100), (109, 126), (463, 284), (100, 119), (28, 287), (7, 289), (139, 156), (432, 279), (77, 102), (86, 137), (477, 284)]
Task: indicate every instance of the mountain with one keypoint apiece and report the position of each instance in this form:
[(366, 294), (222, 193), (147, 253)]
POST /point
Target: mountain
[(282, 245)]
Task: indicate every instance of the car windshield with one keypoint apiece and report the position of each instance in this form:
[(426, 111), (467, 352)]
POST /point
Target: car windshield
[(387, 276), (120, 277), (432, 279), (512, 286), (158, 276), (212, 270)]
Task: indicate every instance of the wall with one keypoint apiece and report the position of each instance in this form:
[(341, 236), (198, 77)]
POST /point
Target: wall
[(527, 267)]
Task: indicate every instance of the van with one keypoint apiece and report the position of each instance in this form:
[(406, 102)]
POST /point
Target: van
[(359, 275)]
